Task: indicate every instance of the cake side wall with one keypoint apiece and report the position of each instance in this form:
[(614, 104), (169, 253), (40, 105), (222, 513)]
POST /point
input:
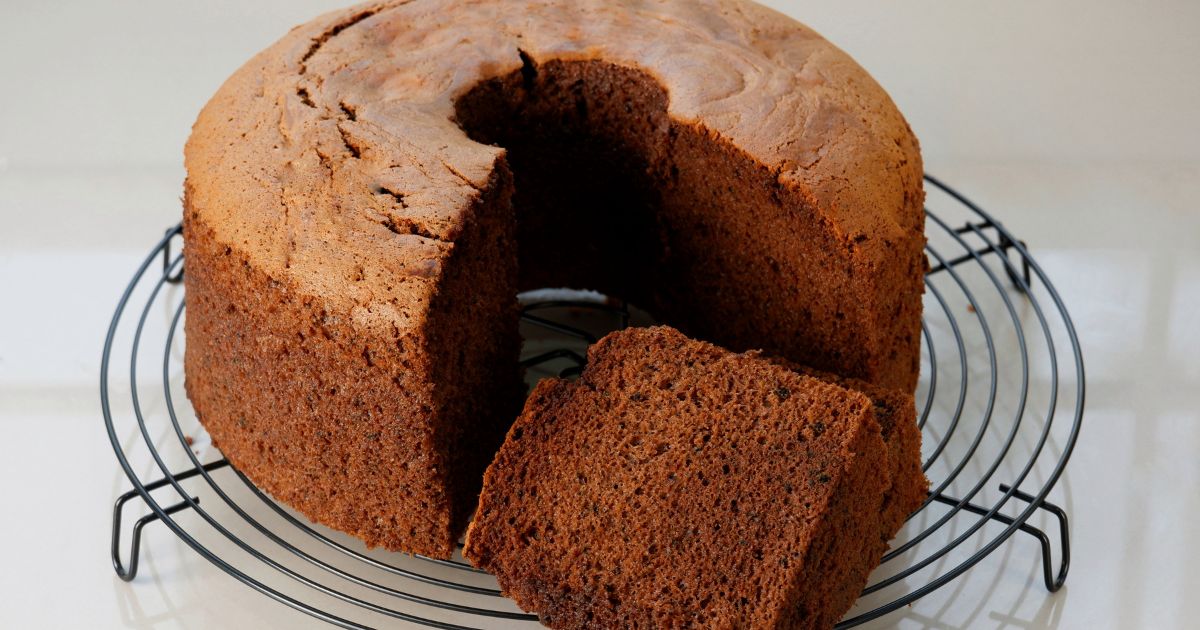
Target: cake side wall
[(897, 266), (333, 420)]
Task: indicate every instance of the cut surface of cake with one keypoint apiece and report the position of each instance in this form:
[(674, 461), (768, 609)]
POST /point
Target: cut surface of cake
[(677, 484)]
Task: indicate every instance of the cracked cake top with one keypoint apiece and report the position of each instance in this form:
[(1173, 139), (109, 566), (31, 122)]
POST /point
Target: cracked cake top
[(333, 160)]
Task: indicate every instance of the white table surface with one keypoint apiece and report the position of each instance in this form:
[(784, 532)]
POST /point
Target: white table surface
[(83, 196)]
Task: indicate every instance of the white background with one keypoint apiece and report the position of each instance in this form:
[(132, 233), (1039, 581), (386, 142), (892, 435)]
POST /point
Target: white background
[(1077, 122)]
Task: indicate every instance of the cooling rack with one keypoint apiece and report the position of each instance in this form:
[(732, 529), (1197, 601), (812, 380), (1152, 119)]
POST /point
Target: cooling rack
[(1000, 405)]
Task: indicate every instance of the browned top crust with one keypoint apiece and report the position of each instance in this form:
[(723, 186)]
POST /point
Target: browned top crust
[(332, 162)]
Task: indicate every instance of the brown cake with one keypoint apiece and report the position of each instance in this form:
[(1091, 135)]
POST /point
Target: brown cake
[(355, 240), (676, 484)]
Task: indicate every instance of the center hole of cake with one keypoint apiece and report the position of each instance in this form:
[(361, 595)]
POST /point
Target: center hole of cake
[(588, 146), (612, 194)]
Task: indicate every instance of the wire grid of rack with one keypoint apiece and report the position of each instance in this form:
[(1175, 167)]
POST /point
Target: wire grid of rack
[(1000, 406)]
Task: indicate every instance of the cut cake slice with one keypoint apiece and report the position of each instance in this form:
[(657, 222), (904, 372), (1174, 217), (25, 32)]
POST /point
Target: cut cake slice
[(676, 484)]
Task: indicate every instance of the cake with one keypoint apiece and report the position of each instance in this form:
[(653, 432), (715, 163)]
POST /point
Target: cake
[(679, 485), (365, 198)]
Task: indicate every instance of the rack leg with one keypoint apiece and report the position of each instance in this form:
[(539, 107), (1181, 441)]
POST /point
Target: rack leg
[(166, 257), (128, 572), (1053, 580)]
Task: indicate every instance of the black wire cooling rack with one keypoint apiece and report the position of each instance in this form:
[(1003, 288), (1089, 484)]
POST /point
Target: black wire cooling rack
[(1001, 403)]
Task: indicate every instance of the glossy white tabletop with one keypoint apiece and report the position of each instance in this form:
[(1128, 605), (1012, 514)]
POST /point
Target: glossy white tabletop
[(1091, 157)]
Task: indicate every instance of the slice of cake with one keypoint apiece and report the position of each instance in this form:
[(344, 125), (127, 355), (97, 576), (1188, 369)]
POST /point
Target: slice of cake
[(897, 416), (678, 484)]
